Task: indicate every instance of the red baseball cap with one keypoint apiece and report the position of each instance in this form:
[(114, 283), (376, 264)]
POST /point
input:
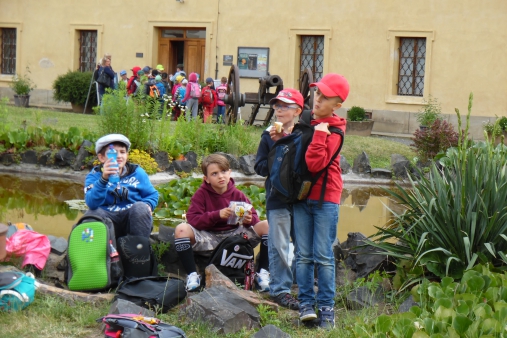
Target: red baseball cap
[(333, 85), (289, 95)]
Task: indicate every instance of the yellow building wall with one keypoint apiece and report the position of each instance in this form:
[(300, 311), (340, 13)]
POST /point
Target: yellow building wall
[(467, 43)]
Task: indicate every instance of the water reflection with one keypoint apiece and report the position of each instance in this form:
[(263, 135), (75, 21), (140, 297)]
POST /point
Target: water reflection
[(40, 203)]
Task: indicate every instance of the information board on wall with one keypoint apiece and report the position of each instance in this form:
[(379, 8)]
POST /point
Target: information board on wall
[(253, 61)]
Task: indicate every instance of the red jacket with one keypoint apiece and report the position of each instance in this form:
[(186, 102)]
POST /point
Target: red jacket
[(318, 155), (205, 206)]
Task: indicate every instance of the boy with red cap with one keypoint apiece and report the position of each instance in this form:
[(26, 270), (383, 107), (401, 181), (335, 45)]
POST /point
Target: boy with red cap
[(315, 225), (288, 105)]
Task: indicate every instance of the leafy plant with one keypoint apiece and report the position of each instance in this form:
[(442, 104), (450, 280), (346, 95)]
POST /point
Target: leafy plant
[(430, 112), (22, 84), (267, 315), (439, 137), (73, 87), (456, 217), (356, 114), (144, 160)]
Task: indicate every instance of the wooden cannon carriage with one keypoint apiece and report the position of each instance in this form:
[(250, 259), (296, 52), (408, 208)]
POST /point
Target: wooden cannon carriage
[(269, 87)]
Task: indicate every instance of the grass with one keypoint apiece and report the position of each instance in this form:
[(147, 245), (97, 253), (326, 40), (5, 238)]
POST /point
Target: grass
[(379, 150)]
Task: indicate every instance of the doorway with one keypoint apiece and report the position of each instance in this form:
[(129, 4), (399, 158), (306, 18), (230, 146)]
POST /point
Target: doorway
[(182, 46)]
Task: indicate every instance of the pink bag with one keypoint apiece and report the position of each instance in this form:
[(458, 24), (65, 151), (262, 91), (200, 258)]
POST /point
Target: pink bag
[(31, 245)]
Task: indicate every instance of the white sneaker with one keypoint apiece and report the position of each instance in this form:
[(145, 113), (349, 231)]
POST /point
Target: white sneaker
[(262, 278), (193, 281)]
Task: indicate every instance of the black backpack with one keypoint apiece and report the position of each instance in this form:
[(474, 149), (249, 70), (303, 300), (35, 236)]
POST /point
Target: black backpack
[(289, 175), (137, 256), (234, 258)]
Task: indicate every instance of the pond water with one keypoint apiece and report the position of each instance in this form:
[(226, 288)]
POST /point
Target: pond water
[(41, 203)]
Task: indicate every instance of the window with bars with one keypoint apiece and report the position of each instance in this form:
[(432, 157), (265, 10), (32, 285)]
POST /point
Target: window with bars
[(87, 50), (8, 50), (312, 55), (411, 69)]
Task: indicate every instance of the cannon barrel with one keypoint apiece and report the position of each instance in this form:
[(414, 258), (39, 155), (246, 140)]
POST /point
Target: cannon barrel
[(271, 80)]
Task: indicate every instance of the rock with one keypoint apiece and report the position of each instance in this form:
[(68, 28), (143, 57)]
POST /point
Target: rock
[(246, 164), (83, 153), (364, 260), (120, 306), (400, 165), (192, 158), (29, 157), (64, 157), (361, 164), (224, 312), (214, 278), (233, 161), (58, 244), (337, 250), (162, 159), (345, 165), (407, 304), (45, 158), (362, 297), (381, 173), (343, 275), (270, 331), (51, 269), (6, 159), (170, 169), (184, 166)]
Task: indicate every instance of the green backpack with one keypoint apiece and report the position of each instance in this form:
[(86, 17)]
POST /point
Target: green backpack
[(93, 261)]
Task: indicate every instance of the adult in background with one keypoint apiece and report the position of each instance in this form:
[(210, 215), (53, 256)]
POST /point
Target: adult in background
[(179, 71), (105, 68)]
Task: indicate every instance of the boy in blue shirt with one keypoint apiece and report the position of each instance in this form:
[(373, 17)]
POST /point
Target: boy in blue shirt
[(315, 224), (288, 105), (128, 204)]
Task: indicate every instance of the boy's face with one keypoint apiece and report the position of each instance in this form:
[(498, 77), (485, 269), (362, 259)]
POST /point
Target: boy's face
[(209, 84), (286, 116), (324, 106), (218, 178), (122, 153)]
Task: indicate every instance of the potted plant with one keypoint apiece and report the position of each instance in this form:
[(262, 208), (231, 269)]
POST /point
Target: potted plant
[(22, 85), (497, 130), (73, 87), (429, 113), (358, 123)]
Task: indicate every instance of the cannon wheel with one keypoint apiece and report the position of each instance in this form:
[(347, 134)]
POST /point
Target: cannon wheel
[(234, 95), (304, 88)]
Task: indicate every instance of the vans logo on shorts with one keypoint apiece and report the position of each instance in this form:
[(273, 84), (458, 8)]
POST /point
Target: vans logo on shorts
[(234, 260)]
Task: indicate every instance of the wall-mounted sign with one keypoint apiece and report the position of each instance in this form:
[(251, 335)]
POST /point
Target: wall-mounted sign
[(228, 60), (253, 61), (139, 55)]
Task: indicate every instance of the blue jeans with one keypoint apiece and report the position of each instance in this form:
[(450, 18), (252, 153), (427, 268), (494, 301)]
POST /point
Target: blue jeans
[(280, 232), (315, 232), (221, 115)]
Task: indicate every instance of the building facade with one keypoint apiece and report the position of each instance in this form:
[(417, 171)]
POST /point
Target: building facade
[(395, 54)]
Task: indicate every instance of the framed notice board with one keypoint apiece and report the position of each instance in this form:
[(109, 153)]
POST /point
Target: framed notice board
[(253, 62)]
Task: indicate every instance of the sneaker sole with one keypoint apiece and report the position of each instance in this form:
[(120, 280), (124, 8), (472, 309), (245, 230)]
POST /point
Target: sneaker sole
[(308, 316)]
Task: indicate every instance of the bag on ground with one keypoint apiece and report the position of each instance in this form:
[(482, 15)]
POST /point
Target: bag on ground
[(17, 290), (152, 292), (137, 256), (234, 258), (93, 261), (137, 326), (288, 172)]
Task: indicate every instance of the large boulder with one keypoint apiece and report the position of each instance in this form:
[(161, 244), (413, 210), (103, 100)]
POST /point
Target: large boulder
[(162, 159), (344, 165), (83, 153), (64, 158), (246, 164), (362, 164)]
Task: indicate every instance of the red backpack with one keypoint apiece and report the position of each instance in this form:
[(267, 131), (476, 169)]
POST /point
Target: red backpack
[(207, 96)]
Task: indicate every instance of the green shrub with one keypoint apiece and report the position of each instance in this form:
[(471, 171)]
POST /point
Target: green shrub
[(73, 87), (430, 112), (22, 84), (356, 114), (456, 217)]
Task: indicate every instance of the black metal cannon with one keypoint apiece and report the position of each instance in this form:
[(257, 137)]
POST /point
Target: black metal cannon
[(260, 100)]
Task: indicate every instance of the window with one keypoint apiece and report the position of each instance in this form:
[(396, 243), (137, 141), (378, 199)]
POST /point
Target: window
[(8, 50), (312, 55), (87, 50), (411, 68)]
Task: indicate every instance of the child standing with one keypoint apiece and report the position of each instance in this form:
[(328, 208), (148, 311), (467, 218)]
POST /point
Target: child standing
[(288, 105), (130, 203), (207, 221), (316, 225), (221, 92), (180, 94), (193, 94), (208, 100)]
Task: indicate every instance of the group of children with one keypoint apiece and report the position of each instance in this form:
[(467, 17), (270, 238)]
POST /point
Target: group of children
[(311, 225)]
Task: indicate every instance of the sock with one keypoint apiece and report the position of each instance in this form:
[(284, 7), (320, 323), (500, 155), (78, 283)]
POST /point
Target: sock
[(263, 255), (186, 254)]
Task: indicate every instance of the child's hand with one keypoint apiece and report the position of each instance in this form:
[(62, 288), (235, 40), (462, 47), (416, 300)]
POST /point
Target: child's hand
[(274, 135), (247, 217), (323, 127), (225, 213), (108, 169)]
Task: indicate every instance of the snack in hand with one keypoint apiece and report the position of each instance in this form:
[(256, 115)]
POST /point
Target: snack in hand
[(279, 127)]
